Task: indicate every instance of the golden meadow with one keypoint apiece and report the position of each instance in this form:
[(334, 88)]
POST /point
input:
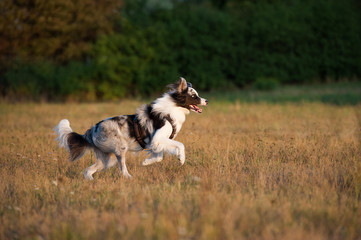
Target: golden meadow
[(252, 171)]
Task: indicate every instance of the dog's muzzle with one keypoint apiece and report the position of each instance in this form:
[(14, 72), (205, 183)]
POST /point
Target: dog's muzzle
[(204, 102)]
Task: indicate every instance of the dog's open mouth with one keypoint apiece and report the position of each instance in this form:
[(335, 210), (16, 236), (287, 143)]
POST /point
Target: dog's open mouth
[(195, 108)]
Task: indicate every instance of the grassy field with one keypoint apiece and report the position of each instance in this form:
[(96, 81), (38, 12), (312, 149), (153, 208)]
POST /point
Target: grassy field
[(252, 171)]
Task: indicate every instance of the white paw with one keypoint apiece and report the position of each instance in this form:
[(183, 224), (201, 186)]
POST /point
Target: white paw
[(182, 159), (87, 177), (127, 175), (149, 161)]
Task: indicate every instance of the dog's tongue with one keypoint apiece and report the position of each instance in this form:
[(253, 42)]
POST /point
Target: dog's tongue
[(196, 109)]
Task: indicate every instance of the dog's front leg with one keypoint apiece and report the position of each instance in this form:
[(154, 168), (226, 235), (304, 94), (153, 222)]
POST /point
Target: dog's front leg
[(153, 158), (161, 143), (180, 151), (176, 148), (172, 147)]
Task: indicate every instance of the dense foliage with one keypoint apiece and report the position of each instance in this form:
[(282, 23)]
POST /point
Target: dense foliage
[(100, 51)]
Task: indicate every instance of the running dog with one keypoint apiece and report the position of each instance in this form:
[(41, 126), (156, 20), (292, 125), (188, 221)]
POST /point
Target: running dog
[(152, 128)]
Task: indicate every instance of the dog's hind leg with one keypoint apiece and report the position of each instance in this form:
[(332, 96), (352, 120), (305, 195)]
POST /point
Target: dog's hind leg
[(97, 166), (100, 164), (121, 163), (153, 158), (111, 163)]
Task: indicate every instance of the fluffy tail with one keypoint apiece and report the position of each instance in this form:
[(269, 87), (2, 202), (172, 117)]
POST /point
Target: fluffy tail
[(74, 142)]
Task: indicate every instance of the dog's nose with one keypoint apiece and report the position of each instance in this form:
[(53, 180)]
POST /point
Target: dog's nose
[(206, 102)]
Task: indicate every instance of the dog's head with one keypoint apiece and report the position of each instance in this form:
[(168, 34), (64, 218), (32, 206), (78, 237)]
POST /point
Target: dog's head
[(185, 96)]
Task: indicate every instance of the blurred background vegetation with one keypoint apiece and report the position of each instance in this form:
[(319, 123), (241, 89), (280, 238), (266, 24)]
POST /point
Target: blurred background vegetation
[(99, 50)]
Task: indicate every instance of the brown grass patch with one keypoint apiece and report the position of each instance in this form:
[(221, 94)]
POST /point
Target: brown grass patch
[(252, 171)]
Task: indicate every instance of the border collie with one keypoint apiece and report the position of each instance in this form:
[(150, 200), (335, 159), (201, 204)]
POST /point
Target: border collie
[(151, 128)]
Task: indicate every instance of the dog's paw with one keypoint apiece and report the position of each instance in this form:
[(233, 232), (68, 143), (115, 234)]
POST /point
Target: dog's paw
[(87, 176), (182, 159), (127, 175), (149, 161)]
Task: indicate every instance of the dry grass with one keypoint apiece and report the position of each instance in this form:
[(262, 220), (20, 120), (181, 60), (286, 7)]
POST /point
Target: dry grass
[(253, 171)]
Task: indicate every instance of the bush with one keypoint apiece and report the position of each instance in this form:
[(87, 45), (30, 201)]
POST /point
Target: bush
[(43, 80), (301, 41), (250, 43), (294, 42), (131, 63), (266, 83)]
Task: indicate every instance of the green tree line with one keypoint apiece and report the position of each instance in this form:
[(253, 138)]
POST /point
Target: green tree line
[(88, 50)]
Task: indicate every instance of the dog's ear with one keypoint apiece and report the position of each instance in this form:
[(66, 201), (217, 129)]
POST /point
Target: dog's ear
[(182, 85)]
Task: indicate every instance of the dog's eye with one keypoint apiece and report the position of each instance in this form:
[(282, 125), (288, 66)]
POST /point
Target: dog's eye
[(194, 96)]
